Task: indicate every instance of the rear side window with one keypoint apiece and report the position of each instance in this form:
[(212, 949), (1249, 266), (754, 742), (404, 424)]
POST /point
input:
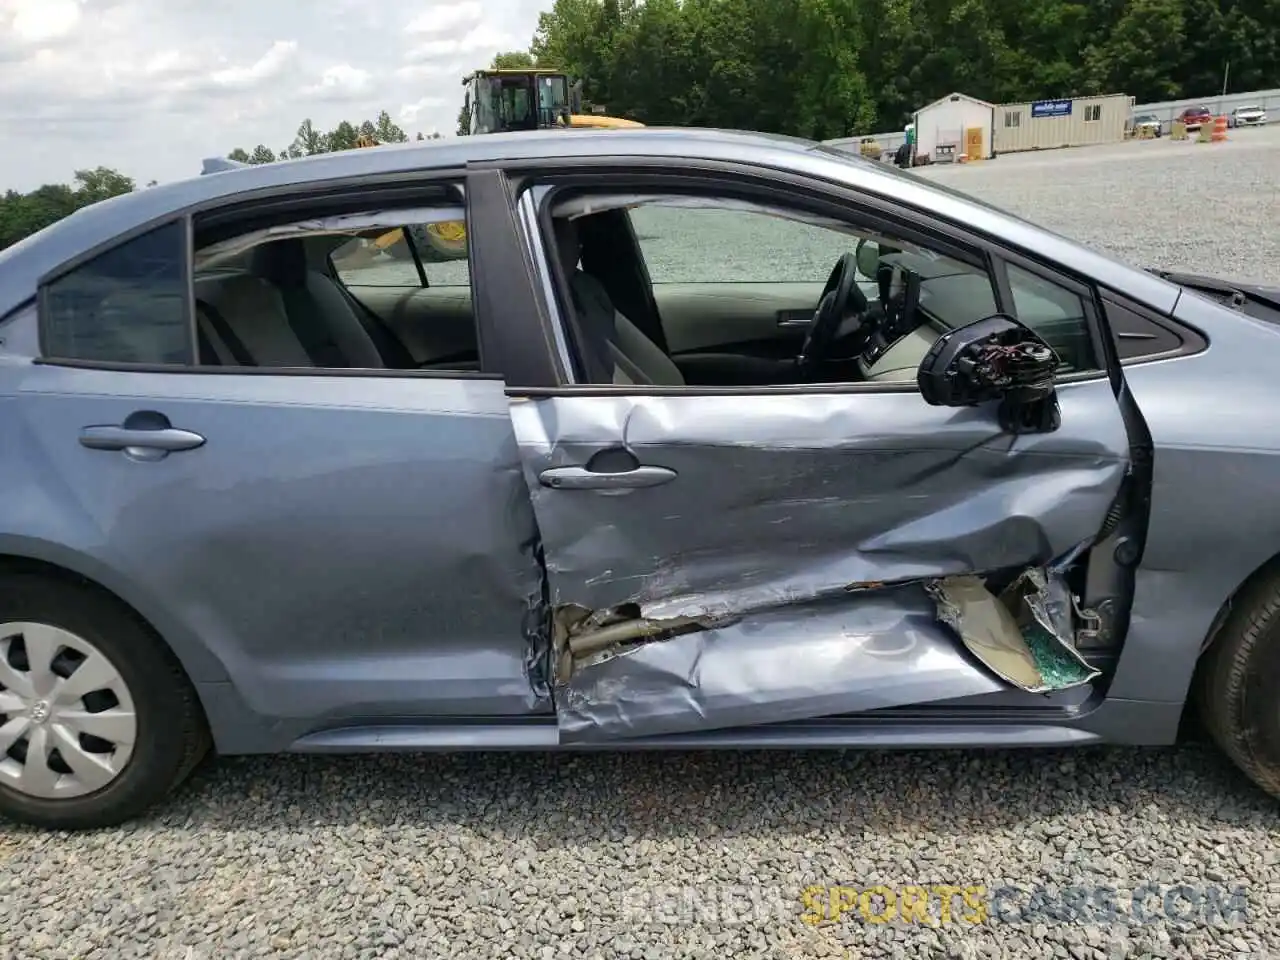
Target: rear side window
[(392, 259), (128, 305)]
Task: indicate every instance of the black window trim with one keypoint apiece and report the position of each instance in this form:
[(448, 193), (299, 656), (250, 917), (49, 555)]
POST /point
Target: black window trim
[(779, 187), (1192, 340), (389, 191)]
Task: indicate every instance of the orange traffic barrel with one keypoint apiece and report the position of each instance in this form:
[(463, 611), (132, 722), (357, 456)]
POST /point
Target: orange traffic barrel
[(1219, 129)]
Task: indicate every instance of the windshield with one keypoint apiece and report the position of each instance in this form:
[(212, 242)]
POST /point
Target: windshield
[(502, 103)]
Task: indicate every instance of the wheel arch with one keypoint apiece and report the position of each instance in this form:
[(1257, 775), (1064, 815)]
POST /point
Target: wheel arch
[(28, 555), (1268, 569)]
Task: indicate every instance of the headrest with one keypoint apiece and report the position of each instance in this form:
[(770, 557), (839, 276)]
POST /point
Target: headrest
[(281, 262)]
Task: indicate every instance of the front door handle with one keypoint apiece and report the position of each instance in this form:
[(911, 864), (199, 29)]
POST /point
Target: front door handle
[(580, 478), (143, 436)]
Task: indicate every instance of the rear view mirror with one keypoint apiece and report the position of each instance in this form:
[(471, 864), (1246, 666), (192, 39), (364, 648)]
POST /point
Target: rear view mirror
[(994, 359)]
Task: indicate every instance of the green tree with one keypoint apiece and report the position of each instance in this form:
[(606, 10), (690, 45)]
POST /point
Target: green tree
[(513, 60), (22, 214), (341, 137), (821, 68), (308, 141), (387, 132)]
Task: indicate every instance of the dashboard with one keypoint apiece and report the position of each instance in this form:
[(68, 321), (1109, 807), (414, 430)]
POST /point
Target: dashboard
[(926, 307), (897, 361)]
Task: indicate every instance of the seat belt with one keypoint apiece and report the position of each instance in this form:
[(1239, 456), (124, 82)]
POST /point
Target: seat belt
[(314, 337), (387, 342), (228, 336)]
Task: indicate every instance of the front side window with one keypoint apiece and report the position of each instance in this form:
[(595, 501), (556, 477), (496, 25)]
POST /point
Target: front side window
[(128, 305), (1058, 315), (710, 244), (737, 293)]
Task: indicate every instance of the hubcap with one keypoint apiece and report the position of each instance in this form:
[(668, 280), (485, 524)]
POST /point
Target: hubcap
[(67, 720)]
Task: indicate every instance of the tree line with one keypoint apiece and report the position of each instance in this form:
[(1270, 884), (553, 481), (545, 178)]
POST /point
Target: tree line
[(22, 214), (825, 68), (834, 68)]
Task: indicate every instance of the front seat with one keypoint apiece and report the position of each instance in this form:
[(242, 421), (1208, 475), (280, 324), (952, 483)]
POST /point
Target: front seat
[(617, 351), (321, 318)]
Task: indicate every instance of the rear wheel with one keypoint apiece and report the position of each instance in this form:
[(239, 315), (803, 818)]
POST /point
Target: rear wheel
[(1239, 684), (97, 719)]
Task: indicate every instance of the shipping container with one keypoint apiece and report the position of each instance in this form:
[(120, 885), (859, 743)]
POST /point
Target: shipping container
[(1067, 122)]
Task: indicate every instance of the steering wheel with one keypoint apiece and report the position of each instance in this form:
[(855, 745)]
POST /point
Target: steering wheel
[(841, 300)]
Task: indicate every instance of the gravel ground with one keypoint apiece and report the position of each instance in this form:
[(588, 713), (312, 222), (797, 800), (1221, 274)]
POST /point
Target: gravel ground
[(1214, 208), (708, 855)]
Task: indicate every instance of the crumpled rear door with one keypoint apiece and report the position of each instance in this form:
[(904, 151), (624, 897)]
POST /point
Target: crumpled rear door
[(724, 561)]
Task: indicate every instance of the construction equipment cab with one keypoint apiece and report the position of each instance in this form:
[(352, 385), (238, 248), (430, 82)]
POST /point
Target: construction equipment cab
[(529, 99)]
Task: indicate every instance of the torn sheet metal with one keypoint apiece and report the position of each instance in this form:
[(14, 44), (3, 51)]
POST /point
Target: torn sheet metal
[(843, 655), (1025, 635), (781, 498)]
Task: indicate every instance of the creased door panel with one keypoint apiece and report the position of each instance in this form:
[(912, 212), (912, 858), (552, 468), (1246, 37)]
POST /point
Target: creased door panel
[(777, 506)]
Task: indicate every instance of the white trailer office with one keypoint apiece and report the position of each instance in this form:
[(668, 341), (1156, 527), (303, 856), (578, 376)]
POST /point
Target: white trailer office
[(953, 126)]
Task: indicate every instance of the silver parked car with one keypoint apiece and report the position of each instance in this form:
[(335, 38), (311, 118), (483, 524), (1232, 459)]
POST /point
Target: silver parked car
[(1250, 116), (674, 438)]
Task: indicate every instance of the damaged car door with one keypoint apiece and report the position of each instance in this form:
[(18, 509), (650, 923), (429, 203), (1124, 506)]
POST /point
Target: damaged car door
[(723, 559)]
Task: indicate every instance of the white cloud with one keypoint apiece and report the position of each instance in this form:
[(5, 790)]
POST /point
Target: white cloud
[(269, 65), (167, 62), (342, 80), (150, 87), (448, 19), (38, 21), (410, 112), (478, 38)]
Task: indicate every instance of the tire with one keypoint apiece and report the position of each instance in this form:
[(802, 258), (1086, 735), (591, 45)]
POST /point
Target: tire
[(169, 736), (1239, 683)]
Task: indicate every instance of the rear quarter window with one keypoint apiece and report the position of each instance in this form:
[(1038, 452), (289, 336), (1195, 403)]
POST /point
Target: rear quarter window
[(128, 305)]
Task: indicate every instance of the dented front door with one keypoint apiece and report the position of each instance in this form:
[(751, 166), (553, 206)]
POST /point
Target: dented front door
[(723, 561)]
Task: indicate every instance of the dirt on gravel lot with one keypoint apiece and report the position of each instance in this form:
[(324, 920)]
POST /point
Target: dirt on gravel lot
[(1203, 207), (1098, 853)]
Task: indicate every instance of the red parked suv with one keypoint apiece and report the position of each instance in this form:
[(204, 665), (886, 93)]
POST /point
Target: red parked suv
[(1193, 117)]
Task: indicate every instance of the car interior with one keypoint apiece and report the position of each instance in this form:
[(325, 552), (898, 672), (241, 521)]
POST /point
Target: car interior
[(349, 299)]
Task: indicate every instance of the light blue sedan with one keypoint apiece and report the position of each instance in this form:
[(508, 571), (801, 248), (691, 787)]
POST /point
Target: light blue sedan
[(697, 439)]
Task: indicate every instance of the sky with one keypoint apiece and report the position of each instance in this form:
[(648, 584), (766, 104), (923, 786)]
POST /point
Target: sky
[(151, 87)]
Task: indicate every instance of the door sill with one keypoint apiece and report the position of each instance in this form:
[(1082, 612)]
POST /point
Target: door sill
[(889, 729)]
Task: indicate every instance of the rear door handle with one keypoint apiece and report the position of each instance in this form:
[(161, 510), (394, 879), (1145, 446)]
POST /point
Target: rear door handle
[(145, 435), (580, 478), (169, 440)]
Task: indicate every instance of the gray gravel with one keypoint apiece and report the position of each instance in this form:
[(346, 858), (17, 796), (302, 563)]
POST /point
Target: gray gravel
[(707, 855), (1187, 205)]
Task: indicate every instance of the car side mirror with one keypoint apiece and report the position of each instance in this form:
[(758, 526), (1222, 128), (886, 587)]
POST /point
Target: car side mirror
[(867, 257), (996, 359)]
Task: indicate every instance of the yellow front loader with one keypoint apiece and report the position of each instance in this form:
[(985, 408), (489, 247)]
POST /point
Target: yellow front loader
[(501, 101)]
